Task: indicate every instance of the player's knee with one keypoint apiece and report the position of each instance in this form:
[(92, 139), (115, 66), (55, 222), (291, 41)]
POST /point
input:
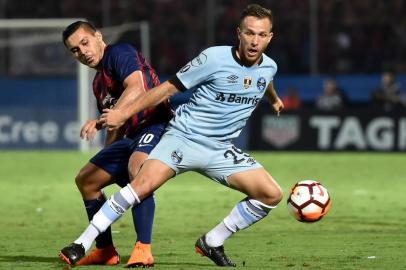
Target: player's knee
[(80, 180), (132, 173), (272, 196), (142, 186), (277, 195), (83, 182)]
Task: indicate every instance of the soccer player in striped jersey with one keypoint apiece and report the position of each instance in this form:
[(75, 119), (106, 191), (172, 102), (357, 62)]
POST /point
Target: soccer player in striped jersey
[(122, 76), (229, 82)]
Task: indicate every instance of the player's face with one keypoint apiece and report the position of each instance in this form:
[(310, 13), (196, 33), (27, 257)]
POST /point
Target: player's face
[(86, 47), (254, 35)]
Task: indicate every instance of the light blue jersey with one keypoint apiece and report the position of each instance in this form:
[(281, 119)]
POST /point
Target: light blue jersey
[(225, 94)]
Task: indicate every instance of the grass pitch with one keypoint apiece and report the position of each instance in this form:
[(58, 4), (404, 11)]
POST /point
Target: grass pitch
[(41, 211)]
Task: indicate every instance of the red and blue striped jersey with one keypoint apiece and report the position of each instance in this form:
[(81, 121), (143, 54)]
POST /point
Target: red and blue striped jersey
[(119, 61)]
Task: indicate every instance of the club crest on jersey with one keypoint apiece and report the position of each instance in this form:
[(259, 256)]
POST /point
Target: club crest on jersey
[(109, 101), (261, 84), (177, 156), (247, 82)]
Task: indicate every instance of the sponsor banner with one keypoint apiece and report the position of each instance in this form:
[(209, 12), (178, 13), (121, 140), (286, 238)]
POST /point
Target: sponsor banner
[(280, 133), (39, 128), (310, 130)]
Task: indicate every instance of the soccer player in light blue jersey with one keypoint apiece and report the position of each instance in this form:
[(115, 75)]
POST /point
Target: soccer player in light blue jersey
[(229, 82)]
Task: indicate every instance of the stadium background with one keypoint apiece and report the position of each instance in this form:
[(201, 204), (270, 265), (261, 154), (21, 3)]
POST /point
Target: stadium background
[(352, 41), (41, 209)]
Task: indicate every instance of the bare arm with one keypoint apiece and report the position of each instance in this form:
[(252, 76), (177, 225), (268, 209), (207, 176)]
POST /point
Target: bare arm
[(273, 98), (133, 88), (89, 129), (114, 118)]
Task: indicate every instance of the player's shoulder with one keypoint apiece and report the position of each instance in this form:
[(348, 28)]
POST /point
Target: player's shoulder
[(216, 55), (218, 49), (268, 61), (217, 52), (269, 64), (117, 49)]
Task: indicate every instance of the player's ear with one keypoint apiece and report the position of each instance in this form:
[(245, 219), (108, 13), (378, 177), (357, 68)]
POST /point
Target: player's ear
[(239, 33), (270, 36), (98, 35)]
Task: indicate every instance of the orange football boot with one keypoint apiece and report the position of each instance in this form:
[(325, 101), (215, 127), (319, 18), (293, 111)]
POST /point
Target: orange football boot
[(101, 256), (141, 256)]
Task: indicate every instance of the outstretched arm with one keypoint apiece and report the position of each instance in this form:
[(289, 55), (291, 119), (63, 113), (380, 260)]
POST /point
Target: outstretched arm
[(116, 117), (273, 98), (133, 88)]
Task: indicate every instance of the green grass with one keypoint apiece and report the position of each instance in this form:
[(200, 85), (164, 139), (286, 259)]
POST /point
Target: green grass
[(41, 211)]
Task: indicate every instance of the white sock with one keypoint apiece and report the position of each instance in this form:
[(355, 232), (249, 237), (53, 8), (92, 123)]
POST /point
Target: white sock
[(90, 233), (246, 213), (218, 235), (243, 215), (111, 211)]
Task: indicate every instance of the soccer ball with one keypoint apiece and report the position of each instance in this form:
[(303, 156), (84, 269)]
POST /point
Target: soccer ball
[(308, 201)]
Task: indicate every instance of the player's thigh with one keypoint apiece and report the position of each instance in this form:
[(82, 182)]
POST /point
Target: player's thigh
[(257, 184), (137, 159), (226, 160), (180, 153), (153, 174), (114, 158), (145, 141)]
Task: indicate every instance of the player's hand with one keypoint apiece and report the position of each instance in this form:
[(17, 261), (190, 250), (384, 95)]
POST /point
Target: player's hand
[(89, 129), (112, 119), (278, 106)]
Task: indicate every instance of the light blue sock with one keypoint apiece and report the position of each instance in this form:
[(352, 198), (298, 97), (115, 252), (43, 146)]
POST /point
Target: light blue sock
[(111, 211), (243, 215)]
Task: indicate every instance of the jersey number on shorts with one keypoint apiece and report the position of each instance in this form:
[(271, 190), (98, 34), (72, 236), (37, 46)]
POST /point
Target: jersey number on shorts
[(234, 152), (146, 139)]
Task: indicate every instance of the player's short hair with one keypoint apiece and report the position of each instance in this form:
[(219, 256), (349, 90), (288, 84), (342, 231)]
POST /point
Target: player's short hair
[(256, 10), (70, 29)]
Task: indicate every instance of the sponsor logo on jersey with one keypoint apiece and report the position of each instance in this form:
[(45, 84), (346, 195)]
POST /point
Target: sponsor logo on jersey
[(116, 207), (220, 97), (261, 84), (247, 82), (234, 98), (232, 79), (177, 156)]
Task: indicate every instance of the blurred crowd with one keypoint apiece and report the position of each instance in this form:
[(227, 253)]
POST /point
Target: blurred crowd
[(387, 96), (363, 36)]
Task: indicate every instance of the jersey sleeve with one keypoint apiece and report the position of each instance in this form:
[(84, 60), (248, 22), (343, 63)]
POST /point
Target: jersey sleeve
[(121, 61), (274, 69), (198, 70)]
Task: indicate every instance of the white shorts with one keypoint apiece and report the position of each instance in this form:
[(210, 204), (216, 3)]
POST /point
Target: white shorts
[(216, 160)]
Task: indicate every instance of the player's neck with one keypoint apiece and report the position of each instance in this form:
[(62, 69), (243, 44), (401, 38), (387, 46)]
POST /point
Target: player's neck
[(99, 66), (243, 61)]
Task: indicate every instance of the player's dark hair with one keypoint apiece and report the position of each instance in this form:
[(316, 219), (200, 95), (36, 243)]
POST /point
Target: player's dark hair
[(70, 29), (256, 10)]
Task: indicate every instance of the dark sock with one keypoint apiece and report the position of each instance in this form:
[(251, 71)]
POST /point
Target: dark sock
[(92, 206), (143, 216)]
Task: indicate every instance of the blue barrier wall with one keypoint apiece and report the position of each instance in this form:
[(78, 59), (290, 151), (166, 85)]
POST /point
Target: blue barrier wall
[(357, 87), (33, 93), (43, 106), (62, 91)]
